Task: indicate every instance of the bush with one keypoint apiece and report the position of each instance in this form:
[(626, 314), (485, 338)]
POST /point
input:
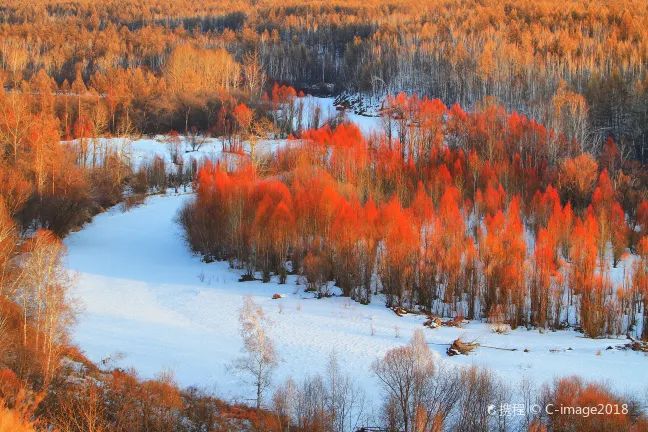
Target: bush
[(573, 392), (132, 201), (497, 320)]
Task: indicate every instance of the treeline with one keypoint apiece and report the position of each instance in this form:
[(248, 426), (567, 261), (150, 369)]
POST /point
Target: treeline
[(544, 59), (470, 214), (59, 186), (46, 184)]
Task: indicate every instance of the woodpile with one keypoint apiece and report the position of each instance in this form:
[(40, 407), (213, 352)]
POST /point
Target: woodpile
[(461, 347), (457, 321), (433, 322), (636, 345), (399, 310)]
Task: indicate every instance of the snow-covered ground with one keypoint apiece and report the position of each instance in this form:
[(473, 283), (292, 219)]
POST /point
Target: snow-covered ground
[(366, 123), (147, 297), (146, 148)]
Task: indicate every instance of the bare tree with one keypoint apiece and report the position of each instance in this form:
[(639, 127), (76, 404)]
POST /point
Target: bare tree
[(260, 357), (314, 114), (420, 395), (253, 72), (402, 372), (8, 239), (387, 122), (196, 139), (119, 162), (334, 403), (529, 396), (284, 403), (480, 389), (311, 410), (345, 399), (85, 411), (173, 143)]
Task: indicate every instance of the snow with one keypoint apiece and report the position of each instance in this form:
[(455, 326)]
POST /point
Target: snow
[(145, 149), (148, 297), (367, 124)]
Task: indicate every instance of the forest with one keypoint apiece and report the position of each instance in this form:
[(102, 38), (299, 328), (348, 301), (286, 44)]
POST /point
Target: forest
[(466, 214), (507, 183), (578, 68)]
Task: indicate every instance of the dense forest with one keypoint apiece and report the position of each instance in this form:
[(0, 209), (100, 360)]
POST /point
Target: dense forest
[(507, 183), (577, 67), (468, 214)]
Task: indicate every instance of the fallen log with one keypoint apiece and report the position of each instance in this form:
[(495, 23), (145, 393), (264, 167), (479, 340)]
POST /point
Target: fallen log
[(498, 348), (476, 345), (457, 321)]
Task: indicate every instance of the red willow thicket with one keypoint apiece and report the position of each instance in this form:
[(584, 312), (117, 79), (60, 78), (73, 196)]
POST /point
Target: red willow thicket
[(455, 213)]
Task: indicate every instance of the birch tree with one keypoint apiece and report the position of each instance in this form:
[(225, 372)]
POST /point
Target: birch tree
[(345, 399), (45, 298), (259, 357)]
